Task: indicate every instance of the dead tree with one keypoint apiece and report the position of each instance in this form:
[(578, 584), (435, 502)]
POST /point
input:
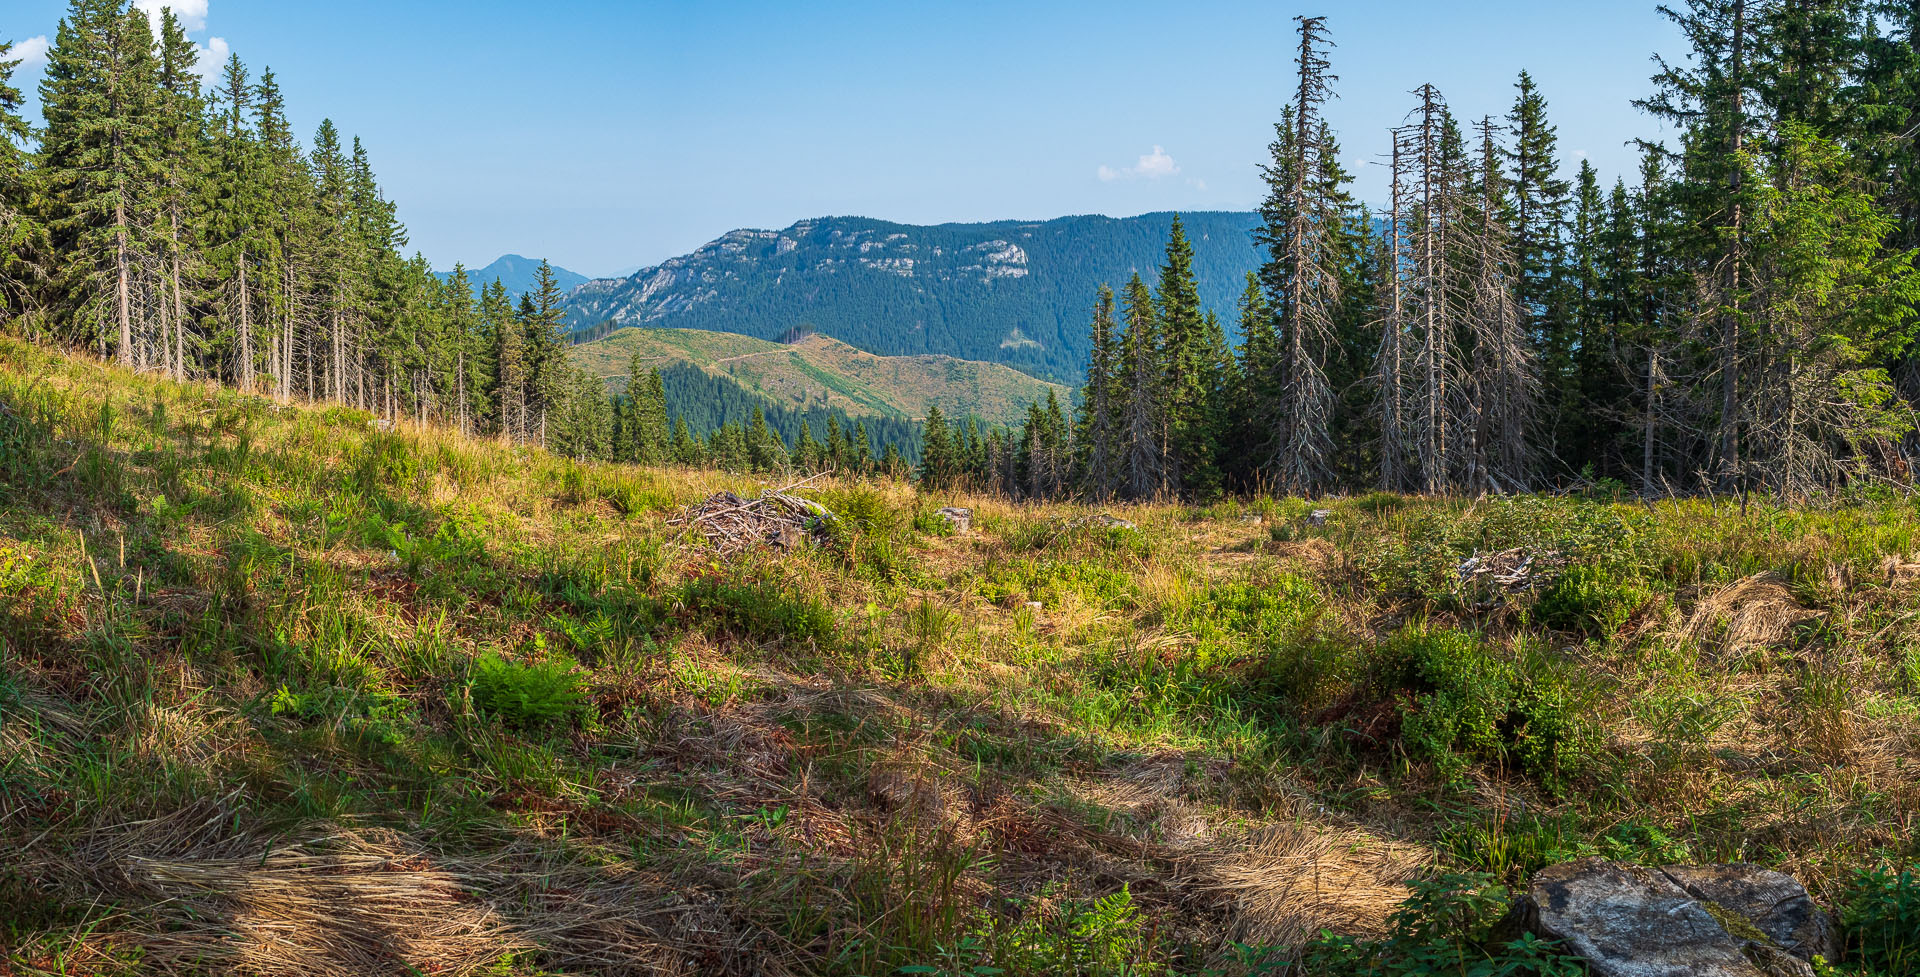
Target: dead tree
[(1432, 287), (1503, 384), (1392, 394), (1305, 273)]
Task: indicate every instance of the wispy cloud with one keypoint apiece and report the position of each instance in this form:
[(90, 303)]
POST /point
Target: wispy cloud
[(213, 57), (1152, 166), (192, 14), (31, 53)]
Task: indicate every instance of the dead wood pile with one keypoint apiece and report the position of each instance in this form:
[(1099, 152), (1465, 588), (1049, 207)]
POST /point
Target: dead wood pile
[(776, 518)]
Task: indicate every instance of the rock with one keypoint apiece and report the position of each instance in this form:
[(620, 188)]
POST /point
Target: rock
[(380, 424), (1111, 522), (1318, 517), (1773, 901), (1711, 921), (961, 519), (1253, 520)]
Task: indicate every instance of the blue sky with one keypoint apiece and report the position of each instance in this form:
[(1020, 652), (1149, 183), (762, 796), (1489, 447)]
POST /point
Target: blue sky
[(610, 135)]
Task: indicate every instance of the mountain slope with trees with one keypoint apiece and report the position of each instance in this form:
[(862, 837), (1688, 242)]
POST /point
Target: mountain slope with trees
[(1012, 292)]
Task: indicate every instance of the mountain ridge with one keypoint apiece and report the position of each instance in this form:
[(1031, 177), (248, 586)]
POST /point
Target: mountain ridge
[(1014, 292)]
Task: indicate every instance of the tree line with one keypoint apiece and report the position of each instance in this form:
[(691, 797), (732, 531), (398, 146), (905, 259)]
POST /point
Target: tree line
[(1740, 317), (177, 225)]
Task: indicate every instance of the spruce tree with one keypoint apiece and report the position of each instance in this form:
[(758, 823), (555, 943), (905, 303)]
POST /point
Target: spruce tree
[(862, 448), (1539, 201), (1099, 422), (936, 453), (541, 318), (23, 244), (1185, 447), (97, 166), (764, 450), (1143, 467), (510, 359)]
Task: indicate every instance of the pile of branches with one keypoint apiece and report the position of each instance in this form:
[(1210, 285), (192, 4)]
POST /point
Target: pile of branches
[(777, 518), (1490, 575)]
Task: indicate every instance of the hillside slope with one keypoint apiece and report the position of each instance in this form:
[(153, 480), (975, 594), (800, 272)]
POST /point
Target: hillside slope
[(1013, 292), (285, 693), (819, 371)]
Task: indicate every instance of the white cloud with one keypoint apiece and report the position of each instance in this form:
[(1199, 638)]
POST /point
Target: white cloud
[(213, 57), (31, 53), (192, 14), (1152, 166)]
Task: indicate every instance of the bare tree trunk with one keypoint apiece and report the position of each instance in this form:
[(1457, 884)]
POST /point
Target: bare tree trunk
[(1391, 371), (460, 386), (1433, 275), (1651, 430), (1730, 413), (246, 327), (123, 299), (1312, 287)]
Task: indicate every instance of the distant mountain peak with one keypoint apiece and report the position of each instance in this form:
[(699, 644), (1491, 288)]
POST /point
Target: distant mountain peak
[(518, 274), (1018, 292)]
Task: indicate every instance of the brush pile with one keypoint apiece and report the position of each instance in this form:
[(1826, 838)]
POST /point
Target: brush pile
[(1489, 575), (734, 525)]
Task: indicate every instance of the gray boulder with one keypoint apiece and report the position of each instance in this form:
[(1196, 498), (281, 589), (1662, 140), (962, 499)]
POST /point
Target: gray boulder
[(960, 518), (1706, 920)]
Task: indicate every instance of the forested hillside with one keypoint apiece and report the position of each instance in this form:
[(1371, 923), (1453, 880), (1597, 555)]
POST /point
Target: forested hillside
[(182, 227), (1013, 292)]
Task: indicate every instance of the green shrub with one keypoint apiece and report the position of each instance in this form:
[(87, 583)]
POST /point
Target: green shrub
[(1591, 600), (1071, 938), (1470, 706), (1880, 920), (864, 509), (527, 695), (929, 522)]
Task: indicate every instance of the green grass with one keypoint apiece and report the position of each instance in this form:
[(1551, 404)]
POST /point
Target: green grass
[(301, 657)]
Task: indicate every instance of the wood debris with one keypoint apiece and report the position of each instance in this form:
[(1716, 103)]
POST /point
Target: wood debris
[(776, 518), (1511, 570)]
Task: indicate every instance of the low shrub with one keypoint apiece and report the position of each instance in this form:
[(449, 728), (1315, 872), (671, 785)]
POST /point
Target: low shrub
[(1880, 921), (1471, 706), (1591, 600), (527, 695), (759, 611)]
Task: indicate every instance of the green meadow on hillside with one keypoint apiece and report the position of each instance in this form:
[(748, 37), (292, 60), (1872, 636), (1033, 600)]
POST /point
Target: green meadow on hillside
[(822, 372), (283, 692)]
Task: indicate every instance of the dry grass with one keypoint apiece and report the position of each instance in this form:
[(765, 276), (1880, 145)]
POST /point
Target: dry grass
[(1288, 882)]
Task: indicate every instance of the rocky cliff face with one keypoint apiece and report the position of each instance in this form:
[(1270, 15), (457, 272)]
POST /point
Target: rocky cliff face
[(1013, 292)]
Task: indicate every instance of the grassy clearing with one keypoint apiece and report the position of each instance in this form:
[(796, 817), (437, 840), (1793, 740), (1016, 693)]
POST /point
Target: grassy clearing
[(281, 693)]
